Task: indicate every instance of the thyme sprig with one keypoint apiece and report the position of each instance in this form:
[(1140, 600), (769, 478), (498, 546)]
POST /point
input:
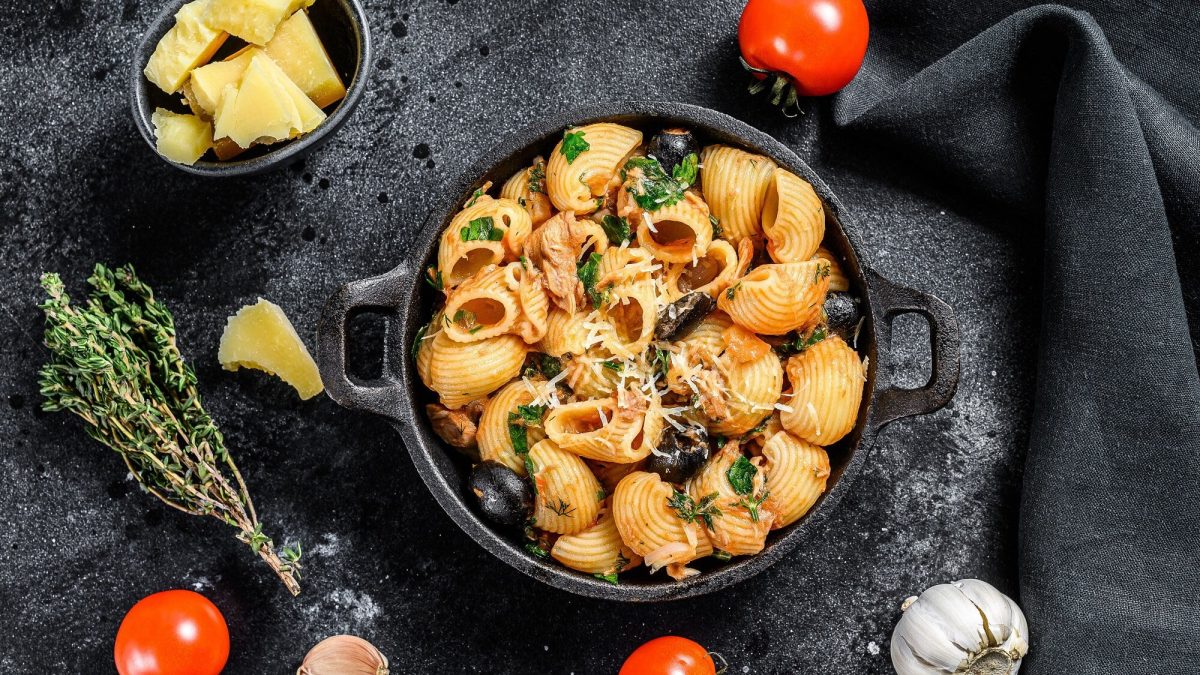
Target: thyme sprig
[(114, 363)]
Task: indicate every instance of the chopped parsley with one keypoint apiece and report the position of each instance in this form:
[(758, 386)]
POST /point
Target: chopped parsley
[(654, 189), (616, 229), (618, 567), (611, 578), (466, 319), (543, 364), (588, 273), (516, 434), (574, 145), (416, 346), (433, 277), (531, 414), (758, 428), (550, 366), (722, 555), (537, 550), (662, 361), (474, 197), (481, 229), (718, 231), (562, 508), (613, 365), (600, 202), (732, 290), (690, 511), (600, 495), (685, 171), (752, 505), (803, 342), (741, 476), (537, 178)]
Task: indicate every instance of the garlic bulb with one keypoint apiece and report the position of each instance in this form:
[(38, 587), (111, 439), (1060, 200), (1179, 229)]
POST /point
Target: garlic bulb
[(967, 627), (344, 655)]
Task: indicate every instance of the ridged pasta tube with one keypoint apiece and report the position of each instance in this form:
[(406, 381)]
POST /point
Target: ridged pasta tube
[(589, 167), (827, 384), (793, 218), (796, 474), (493, 437), (735, 186), (566, 490)]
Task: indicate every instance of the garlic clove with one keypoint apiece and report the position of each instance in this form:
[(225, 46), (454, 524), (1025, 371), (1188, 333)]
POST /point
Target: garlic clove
[(964, 627), (344, 655)]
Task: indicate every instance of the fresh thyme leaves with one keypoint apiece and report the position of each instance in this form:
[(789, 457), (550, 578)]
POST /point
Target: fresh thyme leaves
[(537, 550), (653, 188), (732, 290), (416, 346), (741, 476), (574, 145), (588, 273), (718, 231), (114, 362), (562, 508), (481, 229), (685, 171), (537, 178), (474, 197), (722, 555), (753, 505), (616, 229), (689, 510), (433, 277)]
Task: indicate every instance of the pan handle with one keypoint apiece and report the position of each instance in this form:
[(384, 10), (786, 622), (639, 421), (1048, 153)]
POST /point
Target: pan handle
[(384, 395), (890, 300)]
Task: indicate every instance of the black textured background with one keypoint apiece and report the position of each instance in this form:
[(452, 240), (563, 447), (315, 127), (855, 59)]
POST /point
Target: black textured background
[(79, 543)]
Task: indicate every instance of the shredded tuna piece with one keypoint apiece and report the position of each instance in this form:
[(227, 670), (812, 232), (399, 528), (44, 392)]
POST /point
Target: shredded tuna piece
[(456, 427), (555, 247)]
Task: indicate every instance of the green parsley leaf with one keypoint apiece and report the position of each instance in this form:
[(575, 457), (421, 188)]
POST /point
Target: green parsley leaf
[(537, 178), (551, 366), (616, 229), (600, 495), (685, 171), (805, 341), (752, 505), (722, 555), (611, 578), (718, 231), (516, 434), (758, 428), (537, 550), (481, 229), (741, 476), (732, 290), (689, 511), (588, 273), (662, 361), (600, 202), (531, 414), (613, 365), (653, 189), (433, 277), (474, 197), (416, 345), (574, 145)]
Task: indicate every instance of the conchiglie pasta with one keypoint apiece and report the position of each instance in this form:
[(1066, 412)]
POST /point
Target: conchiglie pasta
[(529, 285), (837, 276), (739, 530), (566, 490), (650, 527), (565, 333), (461, 253), (631, 315), (711, 273), (752, 389), (827, 385), (575, 184), (587, 375), (596, 550), (677, 233), (493, 437), (793, 218), (527, 187), (777, 299), (461, 372), (735, 187), (483, 306), (608, 430), (796, 474)]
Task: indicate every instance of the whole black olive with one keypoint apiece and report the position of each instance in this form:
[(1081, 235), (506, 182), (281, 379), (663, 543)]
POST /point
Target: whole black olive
[(670, 146), (503, 496), (682, 454), (681, 317), (842, 311)]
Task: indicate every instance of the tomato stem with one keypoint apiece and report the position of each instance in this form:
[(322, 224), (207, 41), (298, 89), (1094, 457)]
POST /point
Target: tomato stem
[(783, 90)]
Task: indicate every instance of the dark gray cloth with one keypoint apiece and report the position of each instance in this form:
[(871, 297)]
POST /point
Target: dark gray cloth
[(1037, 114)]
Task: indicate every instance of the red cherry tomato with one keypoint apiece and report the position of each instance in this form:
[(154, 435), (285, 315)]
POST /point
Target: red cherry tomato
[(172, 633), (669, 655), (819, 44)]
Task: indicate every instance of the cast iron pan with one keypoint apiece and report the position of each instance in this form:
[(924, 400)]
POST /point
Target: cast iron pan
[(399, 396)]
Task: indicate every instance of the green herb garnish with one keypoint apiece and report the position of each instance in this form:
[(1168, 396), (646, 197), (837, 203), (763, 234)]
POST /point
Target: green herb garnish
[(531, 414), (685, 171), (654, 189), (611, 578), (114, 362), (551, 366), (752, 505), (433, 277), (689, 511), (537, 178), (481, 229), (805, 341), (613, 365), (662, 361), (600, 495), (722, 555), (741, 476), (758, 428), (588, 273), (718, 231), (416, 345), (562, 508), (574, 145), (537, 550), (474, 198), (616, 229), (732, 290), (516, 434)]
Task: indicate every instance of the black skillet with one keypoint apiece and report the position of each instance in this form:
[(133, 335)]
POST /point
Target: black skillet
[(399, 396)]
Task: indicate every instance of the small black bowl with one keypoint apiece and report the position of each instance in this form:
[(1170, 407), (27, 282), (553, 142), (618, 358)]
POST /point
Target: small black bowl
[(343, 27)]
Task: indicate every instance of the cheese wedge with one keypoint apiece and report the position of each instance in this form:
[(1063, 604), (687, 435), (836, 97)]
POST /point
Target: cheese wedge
[(261, 337), (190, 42), (299, 52), (181, 138), (208, 82), (259, 109), (254, 21)]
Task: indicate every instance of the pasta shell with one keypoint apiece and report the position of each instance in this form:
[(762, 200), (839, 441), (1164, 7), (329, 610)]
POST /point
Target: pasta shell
[(566, 490), (796, 474), (495, 443), (735, 187), (461, 372), (483, 306), (777, 299), (837, 276), (752, 389), (827, 381), (650, 527), (677, 233), (793, 218), (459, 259), (596, 550), (605, 430), (575, 184), (710, 273), (537, 203)]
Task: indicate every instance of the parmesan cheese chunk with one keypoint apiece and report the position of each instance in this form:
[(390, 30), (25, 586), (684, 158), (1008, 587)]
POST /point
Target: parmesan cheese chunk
[(261, 337)]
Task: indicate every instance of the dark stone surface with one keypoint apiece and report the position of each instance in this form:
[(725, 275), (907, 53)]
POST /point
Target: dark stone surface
[(79, 544)]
